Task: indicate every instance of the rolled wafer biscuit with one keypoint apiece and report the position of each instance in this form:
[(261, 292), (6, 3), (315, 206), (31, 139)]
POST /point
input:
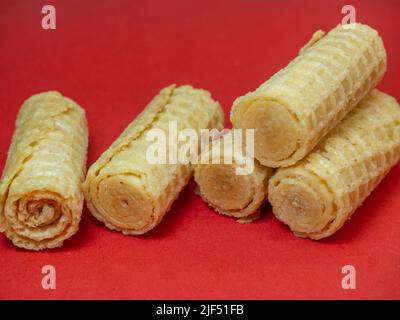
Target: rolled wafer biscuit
[(297, 106), (317, 195), (122, 188), (223, 187), (40, 191)]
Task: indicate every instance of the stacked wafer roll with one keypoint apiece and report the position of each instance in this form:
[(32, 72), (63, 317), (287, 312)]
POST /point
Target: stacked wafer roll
[(328, 165), (127, 192), (299, 105), (230, 180), (40, 191), (295, 109), (317, 195)]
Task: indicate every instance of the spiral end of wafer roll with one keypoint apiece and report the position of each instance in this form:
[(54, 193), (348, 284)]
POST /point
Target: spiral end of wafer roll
[(225, 186), (297, 202), (276, 130), (224, 190), (123, 204), (41, 220)]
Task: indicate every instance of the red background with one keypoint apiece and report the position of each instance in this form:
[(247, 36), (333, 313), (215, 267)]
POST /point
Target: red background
[(112, 57)]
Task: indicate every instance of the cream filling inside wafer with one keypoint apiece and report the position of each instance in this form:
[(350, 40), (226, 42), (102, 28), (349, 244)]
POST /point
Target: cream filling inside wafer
[(306, 205), (224, 189), (276, 134), (123, 202)]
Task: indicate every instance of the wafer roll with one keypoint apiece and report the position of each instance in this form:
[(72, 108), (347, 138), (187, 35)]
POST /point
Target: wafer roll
[(40, 191), (122, 188), (317, 195), (301, 103), (224, 187)]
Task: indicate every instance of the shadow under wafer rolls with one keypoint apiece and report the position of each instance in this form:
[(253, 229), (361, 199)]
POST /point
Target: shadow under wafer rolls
[(225, 189), (40, 191), (122, 188), (317, 195), (297, 106)]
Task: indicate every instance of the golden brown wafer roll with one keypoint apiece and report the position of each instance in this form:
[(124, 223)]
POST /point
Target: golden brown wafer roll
[(224, 188), (122, 188), (40, 191), (317, 195), (296, 107)]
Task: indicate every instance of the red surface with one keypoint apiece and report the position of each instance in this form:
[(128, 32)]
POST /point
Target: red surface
[(112, 57)]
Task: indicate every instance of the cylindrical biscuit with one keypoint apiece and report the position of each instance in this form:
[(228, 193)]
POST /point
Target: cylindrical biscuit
[(122, 188), (301, 103), (40, 191), (317, 195), (223, 187)]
